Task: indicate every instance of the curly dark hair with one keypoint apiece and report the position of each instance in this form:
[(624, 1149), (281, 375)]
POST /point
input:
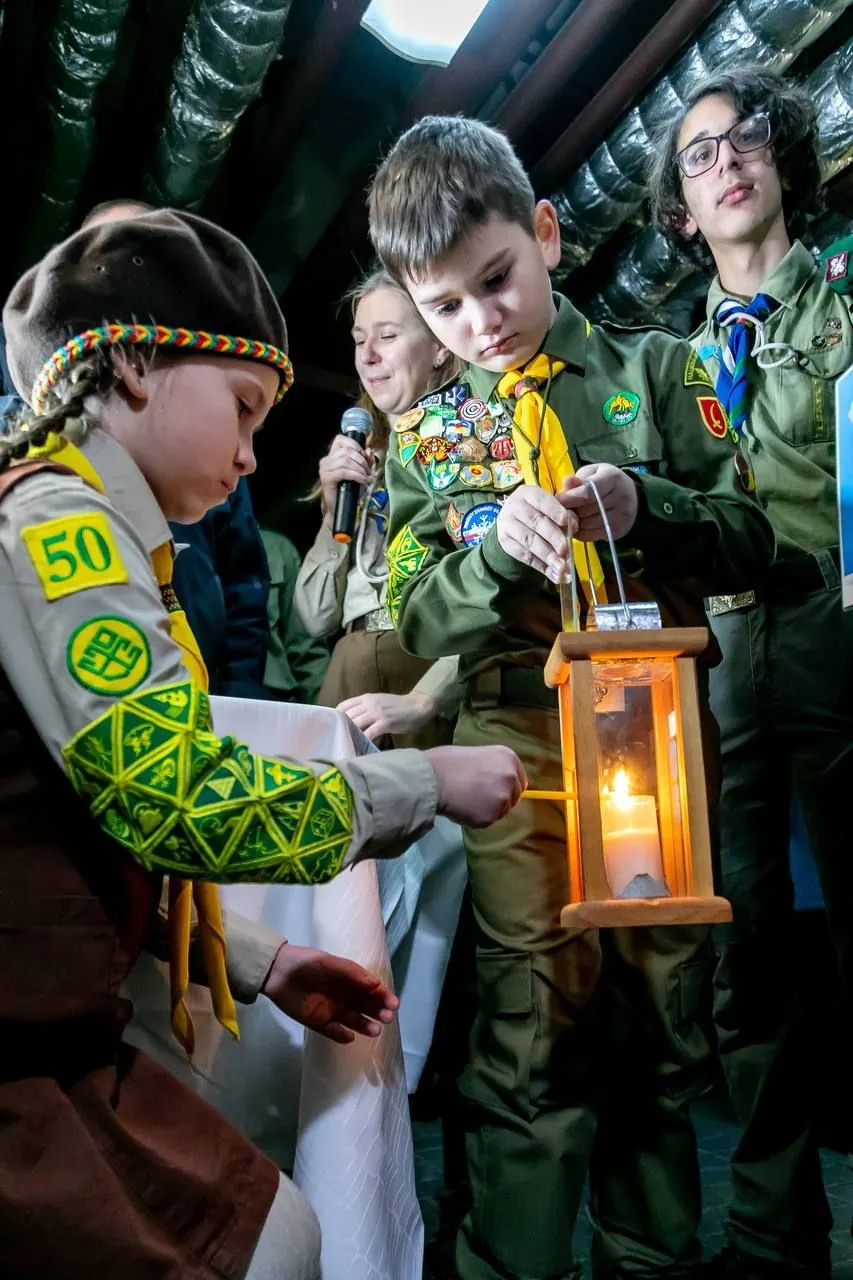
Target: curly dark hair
[(793, 140)]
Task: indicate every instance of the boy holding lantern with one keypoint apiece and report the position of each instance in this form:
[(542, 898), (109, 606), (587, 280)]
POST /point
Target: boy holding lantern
[(586, 1050), (737, 174)]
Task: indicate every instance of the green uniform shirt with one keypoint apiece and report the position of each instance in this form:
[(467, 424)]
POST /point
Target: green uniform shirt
[(790, 430), (296, 660), (636, 398)]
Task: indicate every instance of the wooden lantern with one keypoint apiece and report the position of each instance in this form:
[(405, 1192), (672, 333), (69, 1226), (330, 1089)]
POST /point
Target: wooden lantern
[(639, 846)]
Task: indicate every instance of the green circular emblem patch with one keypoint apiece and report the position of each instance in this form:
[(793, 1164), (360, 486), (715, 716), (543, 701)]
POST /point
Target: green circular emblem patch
[(621, 408), (109, 655)]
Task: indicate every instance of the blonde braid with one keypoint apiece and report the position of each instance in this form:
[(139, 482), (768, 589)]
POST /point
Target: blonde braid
[(66, 413)]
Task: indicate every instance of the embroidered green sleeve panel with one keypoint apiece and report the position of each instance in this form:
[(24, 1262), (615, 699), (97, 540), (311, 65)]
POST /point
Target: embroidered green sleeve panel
[(185, 801)]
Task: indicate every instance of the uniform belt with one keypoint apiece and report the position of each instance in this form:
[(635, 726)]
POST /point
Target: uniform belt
[(510, 686), (375, 620), (786, 580)]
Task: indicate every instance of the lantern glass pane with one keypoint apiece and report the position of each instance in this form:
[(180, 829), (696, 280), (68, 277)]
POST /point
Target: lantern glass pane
[(639, 770)]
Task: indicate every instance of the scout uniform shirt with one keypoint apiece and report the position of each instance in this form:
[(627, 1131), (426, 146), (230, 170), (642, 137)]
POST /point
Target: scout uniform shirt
[(333, 589), (638, 398), (86, 645), (789, 435)]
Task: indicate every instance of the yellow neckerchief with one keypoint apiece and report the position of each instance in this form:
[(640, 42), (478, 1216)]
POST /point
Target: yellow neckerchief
[(182, 893), (542, 450)]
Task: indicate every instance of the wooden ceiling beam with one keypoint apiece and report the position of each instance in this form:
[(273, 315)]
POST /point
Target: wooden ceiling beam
[(480, 62), (635, 74), (587, 27)]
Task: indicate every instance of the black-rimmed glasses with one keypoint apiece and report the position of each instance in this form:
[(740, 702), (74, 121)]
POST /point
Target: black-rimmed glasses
[(747, 135)]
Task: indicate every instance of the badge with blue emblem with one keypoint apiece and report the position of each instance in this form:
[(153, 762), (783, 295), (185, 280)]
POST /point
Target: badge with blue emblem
[(377, 508), (456, 431), (477, 522), (456, 395)]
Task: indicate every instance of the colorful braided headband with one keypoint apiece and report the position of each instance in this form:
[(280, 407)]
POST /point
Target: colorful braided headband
[(156, 335)]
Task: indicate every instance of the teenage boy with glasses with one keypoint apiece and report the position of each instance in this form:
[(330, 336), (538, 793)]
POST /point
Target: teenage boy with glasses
[(736, 175)]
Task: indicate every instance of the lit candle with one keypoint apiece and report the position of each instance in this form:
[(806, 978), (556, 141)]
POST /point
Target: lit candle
[(629, 827)]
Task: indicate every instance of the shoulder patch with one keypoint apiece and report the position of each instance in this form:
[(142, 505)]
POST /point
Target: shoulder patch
[(109, 655), (405, 556), (73, 553), (695, 374), (837, 266), (713, 415)]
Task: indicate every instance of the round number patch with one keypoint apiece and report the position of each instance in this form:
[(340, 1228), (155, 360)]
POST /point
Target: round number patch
[(109, 655)]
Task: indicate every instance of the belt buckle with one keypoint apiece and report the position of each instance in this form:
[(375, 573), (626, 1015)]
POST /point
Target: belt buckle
[(378, 620), (726, 604)]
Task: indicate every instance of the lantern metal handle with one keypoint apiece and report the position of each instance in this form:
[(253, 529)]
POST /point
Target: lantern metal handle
[(570, 560)]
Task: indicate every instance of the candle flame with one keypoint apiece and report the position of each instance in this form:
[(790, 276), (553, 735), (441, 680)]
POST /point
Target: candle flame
[(620, 784), (621, 792)]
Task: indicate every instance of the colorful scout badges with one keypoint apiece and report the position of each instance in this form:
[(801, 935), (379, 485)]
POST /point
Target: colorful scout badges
[(461, 440)]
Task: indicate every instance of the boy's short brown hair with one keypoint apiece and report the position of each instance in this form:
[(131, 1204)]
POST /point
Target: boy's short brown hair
[(443, 176), (793, 142)]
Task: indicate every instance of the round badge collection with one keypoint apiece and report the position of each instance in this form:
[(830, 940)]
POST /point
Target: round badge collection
[(458, 438)]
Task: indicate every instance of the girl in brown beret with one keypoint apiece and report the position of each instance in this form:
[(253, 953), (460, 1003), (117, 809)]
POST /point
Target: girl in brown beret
[(112, 775)]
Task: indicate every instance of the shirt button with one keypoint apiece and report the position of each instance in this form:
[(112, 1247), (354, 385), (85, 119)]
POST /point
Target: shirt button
[(631, 453), (667, 506)]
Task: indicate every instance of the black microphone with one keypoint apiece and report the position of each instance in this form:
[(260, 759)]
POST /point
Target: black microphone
[(355, 424)]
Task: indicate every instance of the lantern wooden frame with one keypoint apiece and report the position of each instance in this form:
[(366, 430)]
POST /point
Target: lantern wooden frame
[(686, 863)]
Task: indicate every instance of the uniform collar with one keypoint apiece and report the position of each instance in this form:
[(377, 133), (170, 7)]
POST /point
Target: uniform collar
[(126, 488), (786, 283), (565, 340)]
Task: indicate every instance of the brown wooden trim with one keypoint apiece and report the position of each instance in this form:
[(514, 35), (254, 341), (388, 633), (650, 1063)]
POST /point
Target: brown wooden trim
[(616, 913), (668, 642)]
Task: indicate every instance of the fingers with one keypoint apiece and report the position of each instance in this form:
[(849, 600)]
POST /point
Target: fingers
[(358, 1022), (618, 493), (348, 1026), (368, 992), (363, 712), (534, 528), (345, 461), (336, 1033)]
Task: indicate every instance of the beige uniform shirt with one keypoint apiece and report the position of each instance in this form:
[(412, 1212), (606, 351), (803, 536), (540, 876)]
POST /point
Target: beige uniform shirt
[(86, 644), (790, 429), (331, 592)]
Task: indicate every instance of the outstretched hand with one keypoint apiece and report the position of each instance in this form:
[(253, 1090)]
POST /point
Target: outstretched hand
[(329, 995), (380, 713)]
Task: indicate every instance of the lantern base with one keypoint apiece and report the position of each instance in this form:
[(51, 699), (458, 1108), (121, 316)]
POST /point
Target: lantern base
[(612, 913)]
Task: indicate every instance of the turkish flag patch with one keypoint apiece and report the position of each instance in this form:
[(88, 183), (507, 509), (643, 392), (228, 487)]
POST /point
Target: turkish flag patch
[(713, 415)]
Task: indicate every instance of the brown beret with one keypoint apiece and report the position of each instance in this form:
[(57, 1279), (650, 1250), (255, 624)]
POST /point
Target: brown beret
[(164, 268)]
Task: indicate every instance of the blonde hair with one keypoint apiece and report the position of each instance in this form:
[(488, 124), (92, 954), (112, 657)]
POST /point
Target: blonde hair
[(450, 367), (70, 411), (75, 402)]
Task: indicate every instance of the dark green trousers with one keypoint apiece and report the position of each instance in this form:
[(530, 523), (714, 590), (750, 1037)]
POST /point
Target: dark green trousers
[(784, 701), (585, 1054)]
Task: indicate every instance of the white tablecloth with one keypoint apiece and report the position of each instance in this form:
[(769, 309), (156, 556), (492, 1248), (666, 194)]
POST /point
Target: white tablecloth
[(337, 1115)]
